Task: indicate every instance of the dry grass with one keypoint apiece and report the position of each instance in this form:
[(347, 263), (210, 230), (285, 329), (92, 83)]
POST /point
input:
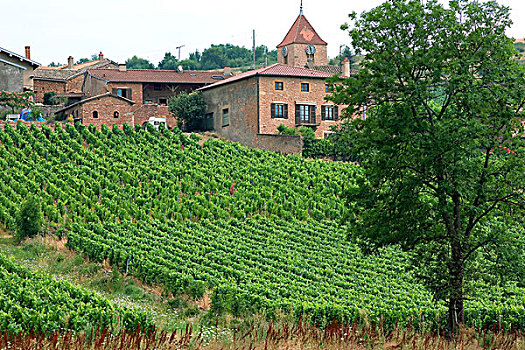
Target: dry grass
[(270, 337)]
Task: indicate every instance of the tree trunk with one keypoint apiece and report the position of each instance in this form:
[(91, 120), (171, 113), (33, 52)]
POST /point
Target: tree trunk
[(455, 304)]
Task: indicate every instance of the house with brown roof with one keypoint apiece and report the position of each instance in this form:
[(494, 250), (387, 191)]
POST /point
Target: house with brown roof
[(16, 71), (132, 96), (249, 107), (67, 80)]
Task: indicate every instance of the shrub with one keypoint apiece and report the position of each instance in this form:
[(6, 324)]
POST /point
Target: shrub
[(29, 219)]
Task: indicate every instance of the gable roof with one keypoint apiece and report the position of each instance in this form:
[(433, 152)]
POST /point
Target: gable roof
[(63, 74), (158, 76), (302, 32), (108, 94), (21, 58), (277, 70)]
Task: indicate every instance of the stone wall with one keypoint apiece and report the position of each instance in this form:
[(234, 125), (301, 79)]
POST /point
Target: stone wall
[(285, 144), (240, 99), (142, 113), (43, 86), (290, 95), (136, 90), (297, 56), (75, 84), (11, 78)]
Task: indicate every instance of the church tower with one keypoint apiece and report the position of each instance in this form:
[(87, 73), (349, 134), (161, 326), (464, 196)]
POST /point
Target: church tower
[(302, 46)]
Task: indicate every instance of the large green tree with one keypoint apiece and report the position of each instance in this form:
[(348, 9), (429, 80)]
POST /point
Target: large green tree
[(139, 63), (442, 152), (188, 109)]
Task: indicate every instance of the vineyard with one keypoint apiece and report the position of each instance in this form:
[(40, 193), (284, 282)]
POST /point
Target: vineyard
[(257, 230)]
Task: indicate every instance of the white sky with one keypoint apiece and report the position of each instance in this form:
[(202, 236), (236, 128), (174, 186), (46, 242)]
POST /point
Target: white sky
[(56, 29)]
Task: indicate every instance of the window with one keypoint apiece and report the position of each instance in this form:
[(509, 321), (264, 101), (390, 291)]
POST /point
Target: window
[(157, 87), (116, 114), (163, 101), (123, 92), (329, 113), (279, 110), (225, 117), (305, 87), (305, 114), (328, 88), (95, 114), (279, 85)]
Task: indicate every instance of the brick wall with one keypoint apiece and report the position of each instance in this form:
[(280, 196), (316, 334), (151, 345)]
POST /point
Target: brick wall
[(297, 56), (142, 113), (43, 86), (75, 84), (291, 94), (106, 108), (136, 90), (240, 98)]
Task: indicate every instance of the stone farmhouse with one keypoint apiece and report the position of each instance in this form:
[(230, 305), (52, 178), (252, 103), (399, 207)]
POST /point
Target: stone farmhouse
[(66, 80), (249, 107), (16, 71), (132, 96)]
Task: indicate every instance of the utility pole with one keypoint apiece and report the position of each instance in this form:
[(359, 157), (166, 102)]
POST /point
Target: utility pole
[(254, 49), (178, 48)]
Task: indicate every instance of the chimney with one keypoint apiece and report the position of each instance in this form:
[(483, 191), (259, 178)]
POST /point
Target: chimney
[(345, 67), (227, 70), (180, 69), (28, 52), (70, 62), (100, 56), (122, 67)]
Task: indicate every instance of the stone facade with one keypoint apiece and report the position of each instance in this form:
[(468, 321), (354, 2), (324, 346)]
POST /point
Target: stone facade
[(43, 86), (291, 95), (285, 144), (297, 56), (239, 100), (11, 78)]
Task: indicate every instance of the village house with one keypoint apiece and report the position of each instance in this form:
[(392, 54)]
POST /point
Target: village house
[(132, 96), (249, 107), (16, 71), (66, 80)]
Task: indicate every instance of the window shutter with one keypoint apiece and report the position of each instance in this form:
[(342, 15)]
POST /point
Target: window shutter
[(272, 113), (297, 114), (323, 112), (114, 91), (129, 94), (285, 111), (336, 112), (312, 114)]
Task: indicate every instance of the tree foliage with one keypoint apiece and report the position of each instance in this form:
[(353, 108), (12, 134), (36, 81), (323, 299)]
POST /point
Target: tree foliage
[(139, 63), (29, 219), (442, 151), (189, 109), (16, 100)]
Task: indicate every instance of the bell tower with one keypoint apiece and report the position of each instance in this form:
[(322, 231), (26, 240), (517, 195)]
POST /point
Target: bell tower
[(302, 46)]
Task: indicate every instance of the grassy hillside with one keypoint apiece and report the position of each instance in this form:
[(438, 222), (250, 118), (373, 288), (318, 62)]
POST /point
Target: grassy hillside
[(256, 230)]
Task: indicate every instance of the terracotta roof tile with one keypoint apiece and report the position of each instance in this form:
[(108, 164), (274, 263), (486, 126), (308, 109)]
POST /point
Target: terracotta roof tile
[(302, 32), (158, 76), (276, 69)]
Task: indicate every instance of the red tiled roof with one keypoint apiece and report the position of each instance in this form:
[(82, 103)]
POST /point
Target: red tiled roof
[(157, 76), (275, 69), (302, 32)]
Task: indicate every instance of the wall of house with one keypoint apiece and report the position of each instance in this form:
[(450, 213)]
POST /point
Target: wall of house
[(167, 91), (11, 78), (105, 107), (94, 87), (43, 86), (75, 84), (27, 74), (297, 56), (136, 90), (240, 98), (290, 95)]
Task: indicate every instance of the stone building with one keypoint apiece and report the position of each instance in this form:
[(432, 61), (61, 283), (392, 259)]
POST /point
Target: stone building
[(249, 107), (16, 71), (132, 96), (66, 80)]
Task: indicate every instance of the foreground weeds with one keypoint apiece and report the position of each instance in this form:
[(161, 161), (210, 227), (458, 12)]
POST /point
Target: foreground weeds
[(268, 336)]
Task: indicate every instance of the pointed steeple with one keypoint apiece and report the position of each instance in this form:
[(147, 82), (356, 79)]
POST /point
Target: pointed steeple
[(302, 32)]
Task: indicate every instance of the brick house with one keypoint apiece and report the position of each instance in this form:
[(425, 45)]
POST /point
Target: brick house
[(132, 96), (66, 80), (250, 106), (16, 71)]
